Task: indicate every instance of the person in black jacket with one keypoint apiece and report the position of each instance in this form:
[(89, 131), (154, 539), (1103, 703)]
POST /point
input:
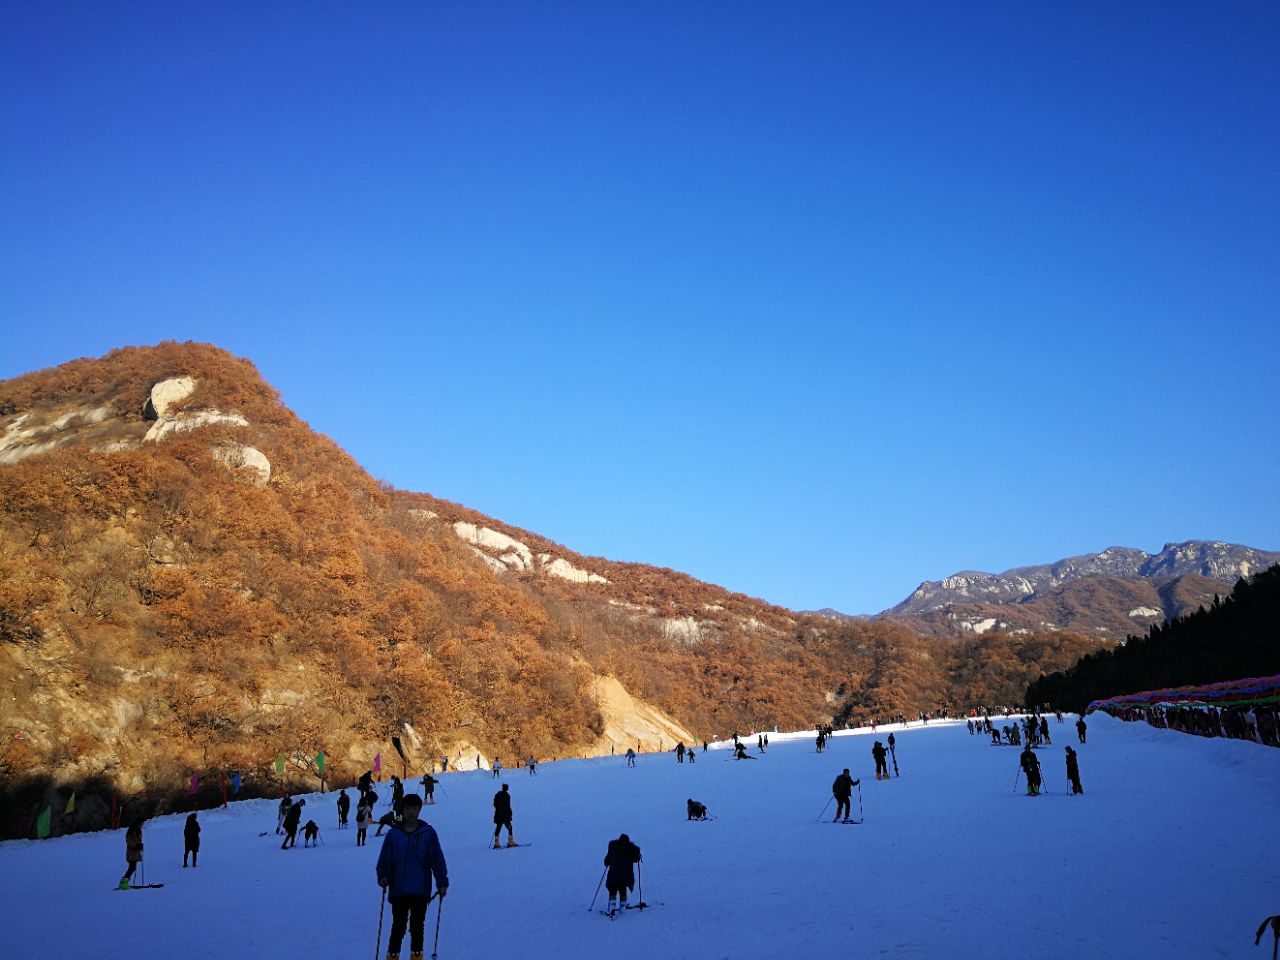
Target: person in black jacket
[(842, 790), (344, 807), (1081, 727), (191, 839), (397, 795), (696, 810), (291, 824), (621, 858), (1073, 771), (879, 753), (1031, 767), (502, 816)]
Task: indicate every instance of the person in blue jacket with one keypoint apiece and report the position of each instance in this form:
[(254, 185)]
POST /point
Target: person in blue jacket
[(410, 857)]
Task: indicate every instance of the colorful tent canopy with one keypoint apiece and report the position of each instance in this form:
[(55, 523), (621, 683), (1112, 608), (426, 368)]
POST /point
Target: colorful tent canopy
[(1229, 693)]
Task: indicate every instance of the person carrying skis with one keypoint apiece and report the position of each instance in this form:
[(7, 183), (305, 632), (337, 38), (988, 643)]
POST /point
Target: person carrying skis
[(344, 807), (879, 753), (282, 811), (680, 752), (429, 788), (132, 851), (695, 810), (409, 859), (842, 790), (1081, 727), (621, 858), (1031, 767), (1073, 771), (191, 839), (364, 817), (311, 834), (502, 816)]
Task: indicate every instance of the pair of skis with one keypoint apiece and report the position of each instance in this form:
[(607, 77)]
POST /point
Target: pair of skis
[(613, 914)]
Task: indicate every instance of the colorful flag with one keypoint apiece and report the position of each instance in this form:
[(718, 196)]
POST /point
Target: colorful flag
[(195, 784), (43, 821), (280, 764), (71, 804), (320, 761), (235, 784), (377, 763)]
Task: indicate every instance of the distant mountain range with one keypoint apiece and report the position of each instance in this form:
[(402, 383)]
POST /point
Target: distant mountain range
[(1118, 591)]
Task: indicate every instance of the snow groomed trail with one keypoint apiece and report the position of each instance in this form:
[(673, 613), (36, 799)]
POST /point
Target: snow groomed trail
[(1171, 852)]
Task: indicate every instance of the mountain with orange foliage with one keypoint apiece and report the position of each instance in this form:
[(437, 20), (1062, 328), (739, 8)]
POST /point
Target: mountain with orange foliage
[(192, 581)]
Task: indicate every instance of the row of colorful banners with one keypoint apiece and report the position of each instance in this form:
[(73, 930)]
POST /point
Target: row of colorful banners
[(1229, 693)]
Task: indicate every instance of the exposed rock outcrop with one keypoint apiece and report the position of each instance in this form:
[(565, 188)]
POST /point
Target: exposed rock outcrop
[(166, 395), (240, 458)]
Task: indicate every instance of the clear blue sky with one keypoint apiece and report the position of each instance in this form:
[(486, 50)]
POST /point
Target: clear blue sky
[(811, 300)]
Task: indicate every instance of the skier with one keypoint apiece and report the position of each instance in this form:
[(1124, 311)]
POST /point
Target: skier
[(879, 753), (631, 757), (1031, 767), (696, 810), (388, 819), (364, 817), (191, 839), (693, 755), (533, 765), (397, 794), (680, 752), (1081, 727), (282, 811), (822, 741), (291, 824), (760, 744), (1044, 730), (1073, 771), (621, 858), (409, 859), (429, 787), (502, 816), (344, 807), (842, 790), (132, 851), (497, 768), (740, 753), (366, 782), (311, 834), (969, 724), (766, 738)]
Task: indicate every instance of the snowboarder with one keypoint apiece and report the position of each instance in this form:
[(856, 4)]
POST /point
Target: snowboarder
[(344, 807), (429, 787), (409, 859), (631, 757), (311, 834), (502, 816), (695, 810), (397, 794), (842, 790), (132, 851), (282, 811), (1073, 771), (879, 754), (1081, 727), (364, 817), (191, 839), (497, 768), (621, 858), (291, 824), (1031, 767), (680, 752)]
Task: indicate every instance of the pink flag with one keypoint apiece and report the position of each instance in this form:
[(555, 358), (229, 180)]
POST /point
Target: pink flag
[(377, 763), (195, 784)]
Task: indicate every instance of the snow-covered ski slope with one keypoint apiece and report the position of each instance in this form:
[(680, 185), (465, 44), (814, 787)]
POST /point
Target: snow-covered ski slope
[(1171, 852)]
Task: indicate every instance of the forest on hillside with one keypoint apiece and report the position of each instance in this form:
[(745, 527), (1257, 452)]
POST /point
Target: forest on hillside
[(1234, 638)]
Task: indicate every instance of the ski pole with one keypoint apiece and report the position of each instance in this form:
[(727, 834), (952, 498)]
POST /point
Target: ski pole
[(861, 816), (377, 944), (1016, 777), (598, 886), (640, 884), (436, 945), (824, 809)]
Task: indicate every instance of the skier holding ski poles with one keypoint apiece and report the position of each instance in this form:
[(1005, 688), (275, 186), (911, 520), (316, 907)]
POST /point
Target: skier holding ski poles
[(410, 858), (621, 858), (842, 790)]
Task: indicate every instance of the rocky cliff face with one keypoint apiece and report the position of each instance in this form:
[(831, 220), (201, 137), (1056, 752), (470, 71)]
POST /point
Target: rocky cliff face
[(1223, 562)]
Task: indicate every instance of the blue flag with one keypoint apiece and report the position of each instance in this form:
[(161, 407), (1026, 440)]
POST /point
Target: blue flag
[(235, 784)]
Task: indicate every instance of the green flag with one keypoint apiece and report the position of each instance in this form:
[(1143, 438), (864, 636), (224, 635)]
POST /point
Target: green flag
[(280, 764), (43, 821), (71, 804), (320, 761)]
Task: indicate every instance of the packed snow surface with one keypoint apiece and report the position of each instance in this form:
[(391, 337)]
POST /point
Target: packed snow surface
[(1170, 852)]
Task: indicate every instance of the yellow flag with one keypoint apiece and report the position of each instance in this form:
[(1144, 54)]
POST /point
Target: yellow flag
[(71, 804)]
